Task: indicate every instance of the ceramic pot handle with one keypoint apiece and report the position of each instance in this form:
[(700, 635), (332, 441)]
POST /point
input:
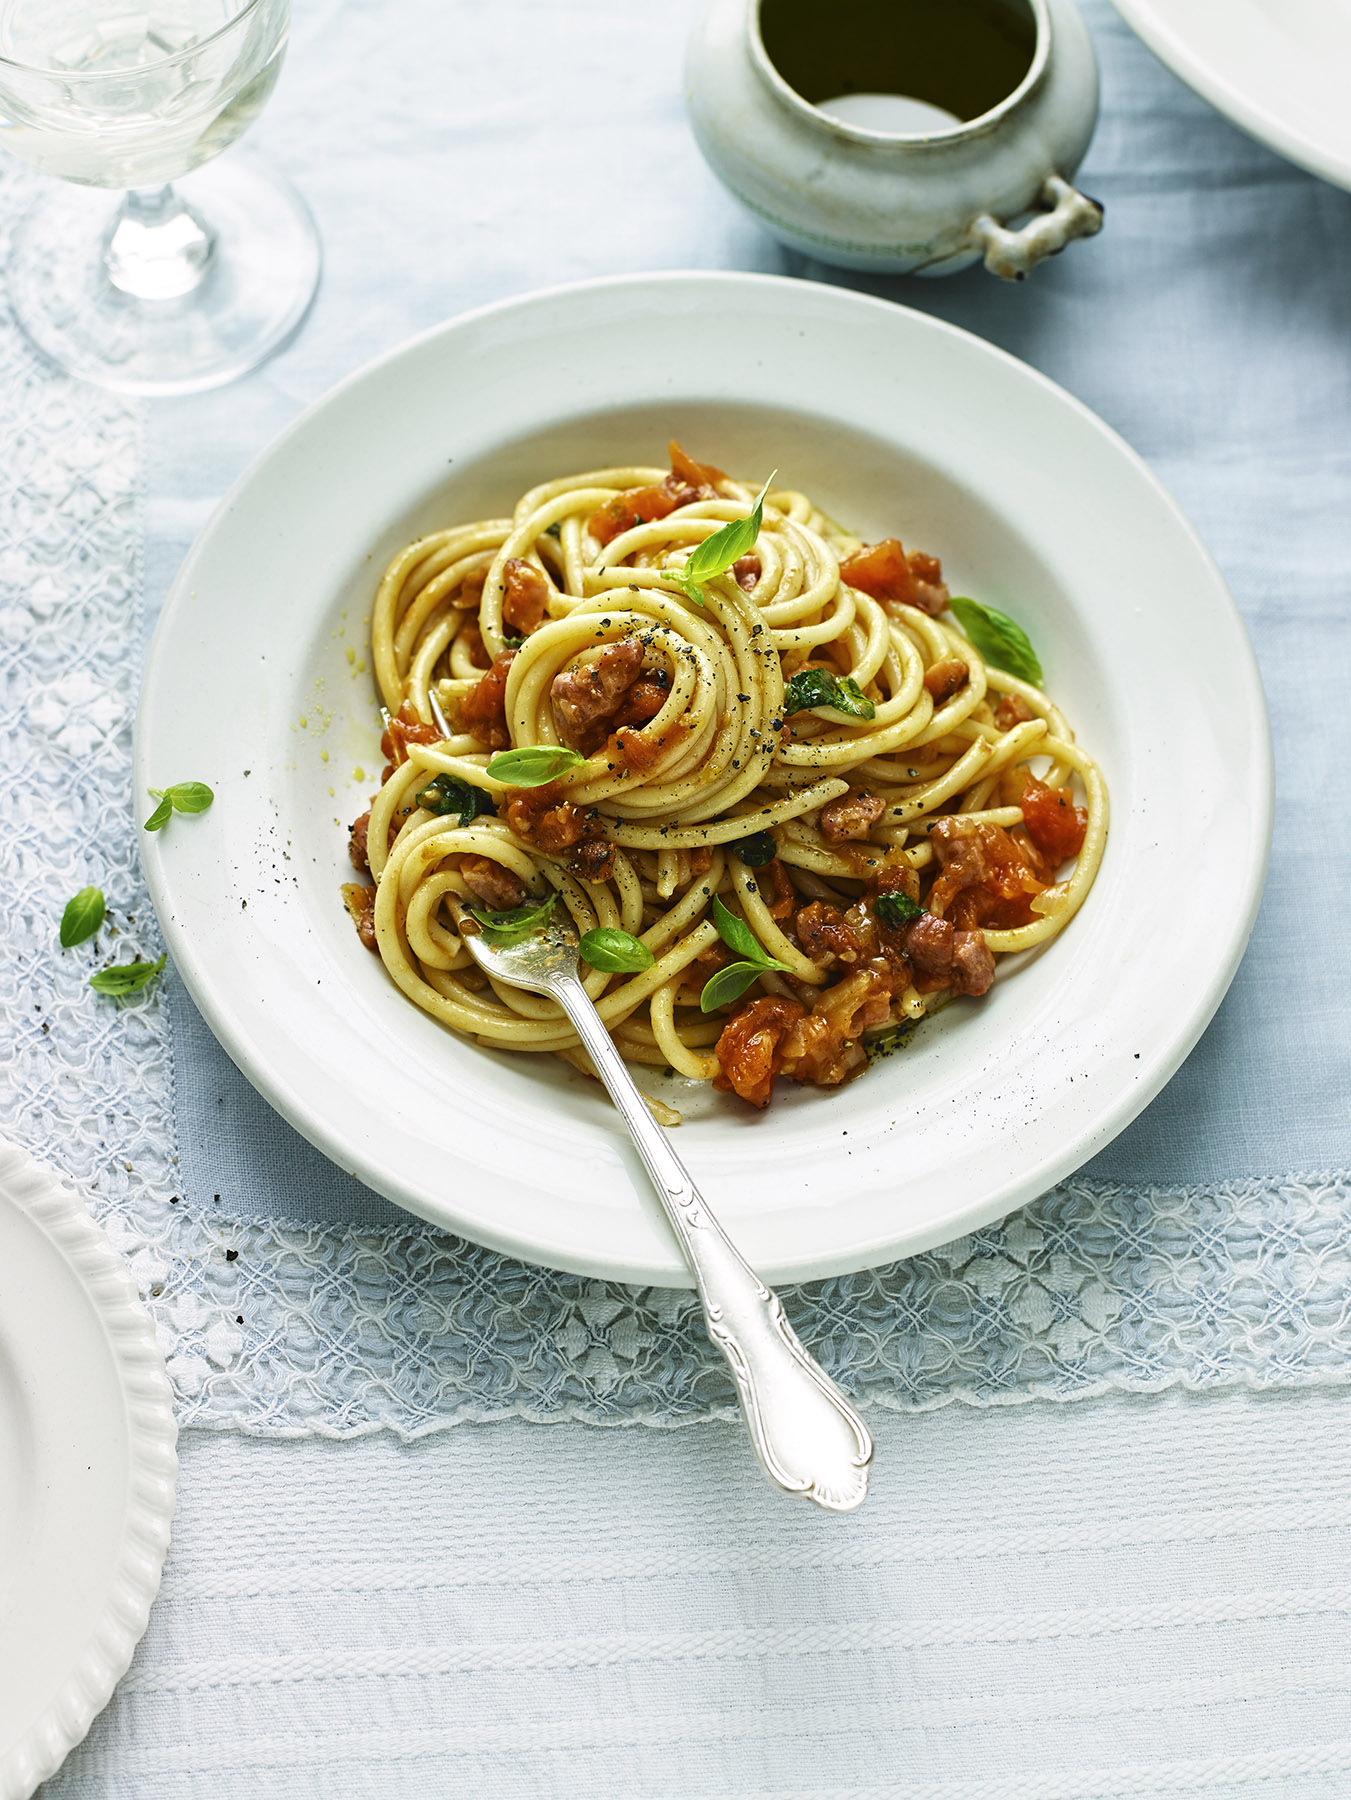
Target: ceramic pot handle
[(1011, 254)]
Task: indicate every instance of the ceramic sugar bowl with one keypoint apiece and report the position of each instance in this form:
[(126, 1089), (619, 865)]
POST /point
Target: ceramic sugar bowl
[(902, 135)]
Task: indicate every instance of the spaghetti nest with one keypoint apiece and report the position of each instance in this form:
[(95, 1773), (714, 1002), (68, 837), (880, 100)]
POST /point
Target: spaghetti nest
[(804, 746)]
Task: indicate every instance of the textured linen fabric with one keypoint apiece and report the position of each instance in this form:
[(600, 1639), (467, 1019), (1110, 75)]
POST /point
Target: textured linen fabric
[(1142, 1597), (1127, 1600), (280, 1318), (1208, 1244)]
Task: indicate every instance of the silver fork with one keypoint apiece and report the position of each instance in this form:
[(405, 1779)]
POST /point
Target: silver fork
[(808, 1438)]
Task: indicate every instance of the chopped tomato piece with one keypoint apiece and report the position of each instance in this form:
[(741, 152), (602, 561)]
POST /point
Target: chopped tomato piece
[(483, 711), (545, 817), (985, 879), (525, 595), (406, 728), (1054, 823), (696, 474), (882, 571), (887, 573), (637, 506), (750, 1050), (1012, 710)]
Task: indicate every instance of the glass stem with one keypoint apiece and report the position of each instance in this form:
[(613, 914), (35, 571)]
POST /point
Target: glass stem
[(156, 248)]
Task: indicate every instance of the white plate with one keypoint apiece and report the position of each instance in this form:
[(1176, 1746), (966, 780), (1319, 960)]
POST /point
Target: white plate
[(896, 423), (1277, 68), (87, 1471)]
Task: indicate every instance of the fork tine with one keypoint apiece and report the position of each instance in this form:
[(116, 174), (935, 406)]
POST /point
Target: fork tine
[(438, 717)]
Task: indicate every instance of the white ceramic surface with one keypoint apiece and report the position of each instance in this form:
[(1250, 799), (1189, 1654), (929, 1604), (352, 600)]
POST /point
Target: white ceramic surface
[(87, 1471), (896, 423), (1279, 69), (926, 201)]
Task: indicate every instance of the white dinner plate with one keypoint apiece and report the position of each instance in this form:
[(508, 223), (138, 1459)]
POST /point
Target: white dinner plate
[(896, 423), (1277, 68), (87, 1471)]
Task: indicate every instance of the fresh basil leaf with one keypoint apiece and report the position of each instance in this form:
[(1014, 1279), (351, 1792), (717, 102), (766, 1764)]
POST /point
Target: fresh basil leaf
[(818, 687), (126, 978), (183, 796), (738, 936), (533, 764), (721, 549), (515, 922), (897, 909), (728, 984), (614, 951), (555, 531), (1000, 639), (758, 850), (189, 796), (736, 933), (444, 794), (82, 917)]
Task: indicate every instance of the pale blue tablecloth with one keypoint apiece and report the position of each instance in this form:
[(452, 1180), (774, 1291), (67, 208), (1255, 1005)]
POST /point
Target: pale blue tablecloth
[(1127, 1597)]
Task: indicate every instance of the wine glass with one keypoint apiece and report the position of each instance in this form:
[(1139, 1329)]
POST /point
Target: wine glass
[(171, 285)]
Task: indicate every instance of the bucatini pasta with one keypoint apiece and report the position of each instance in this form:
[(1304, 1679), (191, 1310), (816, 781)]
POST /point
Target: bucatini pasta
[(764, 766)]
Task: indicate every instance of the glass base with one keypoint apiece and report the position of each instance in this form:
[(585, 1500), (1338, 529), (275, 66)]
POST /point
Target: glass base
[(224, 283)]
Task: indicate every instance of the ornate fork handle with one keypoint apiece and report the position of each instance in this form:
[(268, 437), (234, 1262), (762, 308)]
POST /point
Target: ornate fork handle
[(807, 1436)]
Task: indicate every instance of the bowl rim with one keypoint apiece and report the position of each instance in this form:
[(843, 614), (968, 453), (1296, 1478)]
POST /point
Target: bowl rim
[(854, 1254)]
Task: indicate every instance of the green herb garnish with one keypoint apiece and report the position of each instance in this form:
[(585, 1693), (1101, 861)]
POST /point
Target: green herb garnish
[(756, 851), (126, 978), (811, 688), (719, 551), (82, 917), (184, 797), (1000, 639), (444, 794), (614, 951), (897, 909), (515, 922), (731, 983), (555, 531), (727, 985), (533, 764)]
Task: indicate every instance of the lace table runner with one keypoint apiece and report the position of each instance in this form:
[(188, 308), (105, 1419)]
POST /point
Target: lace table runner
[(292, 1330)]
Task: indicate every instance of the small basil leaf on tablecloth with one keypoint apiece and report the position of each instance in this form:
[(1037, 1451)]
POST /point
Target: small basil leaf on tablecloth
[(82, 917), (719, 551), (126, 978), (614, 951), (533, 764), (818, 687), (1000, 639)]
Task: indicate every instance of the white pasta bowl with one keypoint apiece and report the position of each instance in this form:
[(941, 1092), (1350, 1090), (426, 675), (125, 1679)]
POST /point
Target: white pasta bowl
[(258, 683)]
